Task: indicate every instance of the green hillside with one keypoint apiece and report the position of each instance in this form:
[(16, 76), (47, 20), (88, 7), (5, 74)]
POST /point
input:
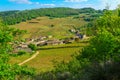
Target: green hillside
[(56, 27), (14, 17), (56, 22), (60, 44)]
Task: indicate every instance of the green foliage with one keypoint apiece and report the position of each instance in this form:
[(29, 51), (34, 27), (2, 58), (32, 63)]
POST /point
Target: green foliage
[(110, 71), (22, 16), (7, 71), (88, 19), (110, 21), (100, 60), (12, 72), (5, 34), (32, 46), (6, 13), (45, 76), (103, 50), (21, 52), (17, 32), (14, 17), (77, 39), (101, 47), (87, 10)]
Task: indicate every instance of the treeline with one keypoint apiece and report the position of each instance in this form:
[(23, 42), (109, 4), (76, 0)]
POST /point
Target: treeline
[(89, 10), (14, 17), (8, 13)]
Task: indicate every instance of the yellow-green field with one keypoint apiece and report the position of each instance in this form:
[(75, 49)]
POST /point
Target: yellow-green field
[(44, 26), (48, 54), (56, 27)]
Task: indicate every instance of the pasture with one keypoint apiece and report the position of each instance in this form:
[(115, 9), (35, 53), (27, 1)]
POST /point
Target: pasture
[(59, 28), (46, 26), (49, 54)]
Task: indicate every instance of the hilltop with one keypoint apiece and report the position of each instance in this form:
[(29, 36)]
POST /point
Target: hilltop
[(14, 17), (61, 29), (58, 22)]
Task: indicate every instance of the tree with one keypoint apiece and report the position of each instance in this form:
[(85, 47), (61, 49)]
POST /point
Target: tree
[(8, 71), (103, 52), (100, 59), (32, 46), (14, 17)]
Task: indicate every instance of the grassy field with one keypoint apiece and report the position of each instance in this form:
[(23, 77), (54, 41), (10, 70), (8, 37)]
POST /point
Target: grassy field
[(56, 27), (45, 26), (48, 54)]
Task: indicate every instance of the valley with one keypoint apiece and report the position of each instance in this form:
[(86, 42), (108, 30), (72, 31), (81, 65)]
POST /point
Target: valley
[(60, 43), (45, 29), (44, 26)]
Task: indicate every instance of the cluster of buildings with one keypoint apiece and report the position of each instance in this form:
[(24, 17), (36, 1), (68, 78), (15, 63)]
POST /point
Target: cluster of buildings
[(43, 40), (40, 41)]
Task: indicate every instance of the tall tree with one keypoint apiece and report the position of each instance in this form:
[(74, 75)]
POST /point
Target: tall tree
[(8, 71)]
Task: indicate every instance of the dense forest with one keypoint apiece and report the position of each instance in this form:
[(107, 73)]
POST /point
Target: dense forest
[(14, 17)]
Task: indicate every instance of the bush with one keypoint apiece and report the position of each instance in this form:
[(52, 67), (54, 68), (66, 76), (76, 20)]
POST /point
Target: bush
[(32, 46), (21, 52), (109, 71), (100, 59)]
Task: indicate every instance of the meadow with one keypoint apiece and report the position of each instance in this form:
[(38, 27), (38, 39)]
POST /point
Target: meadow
[(48, 55), (46, 26), (59, 29), (93, 57)]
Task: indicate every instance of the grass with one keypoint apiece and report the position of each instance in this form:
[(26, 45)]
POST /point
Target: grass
[(56, 27), (60, 28), (48, 54), (18, 59), (44, 61)]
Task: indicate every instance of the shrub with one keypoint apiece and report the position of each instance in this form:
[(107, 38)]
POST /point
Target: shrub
[(21, 52), (32, 46)]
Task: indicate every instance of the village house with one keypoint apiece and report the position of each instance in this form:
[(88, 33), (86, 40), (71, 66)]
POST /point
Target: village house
[(22, 47), (69, 40), (41, 38), (72, 30), (29, 40), (54, 42), (79, 35), (40, 43), (50, 36)]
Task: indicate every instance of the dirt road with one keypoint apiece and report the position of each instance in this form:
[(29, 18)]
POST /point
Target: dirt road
[(32, 57)]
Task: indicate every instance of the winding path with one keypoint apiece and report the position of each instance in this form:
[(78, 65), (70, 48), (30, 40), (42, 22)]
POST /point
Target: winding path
[(32, 57)]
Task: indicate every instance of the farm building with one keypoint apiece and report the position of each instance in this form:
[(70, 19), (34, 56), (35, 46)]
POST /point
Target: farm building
[(53, 42), (22, 47)]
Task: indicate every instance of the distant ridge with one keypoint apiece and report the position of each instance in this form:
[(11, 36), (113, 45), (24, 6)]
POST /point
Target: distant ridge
[(16, 16)]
